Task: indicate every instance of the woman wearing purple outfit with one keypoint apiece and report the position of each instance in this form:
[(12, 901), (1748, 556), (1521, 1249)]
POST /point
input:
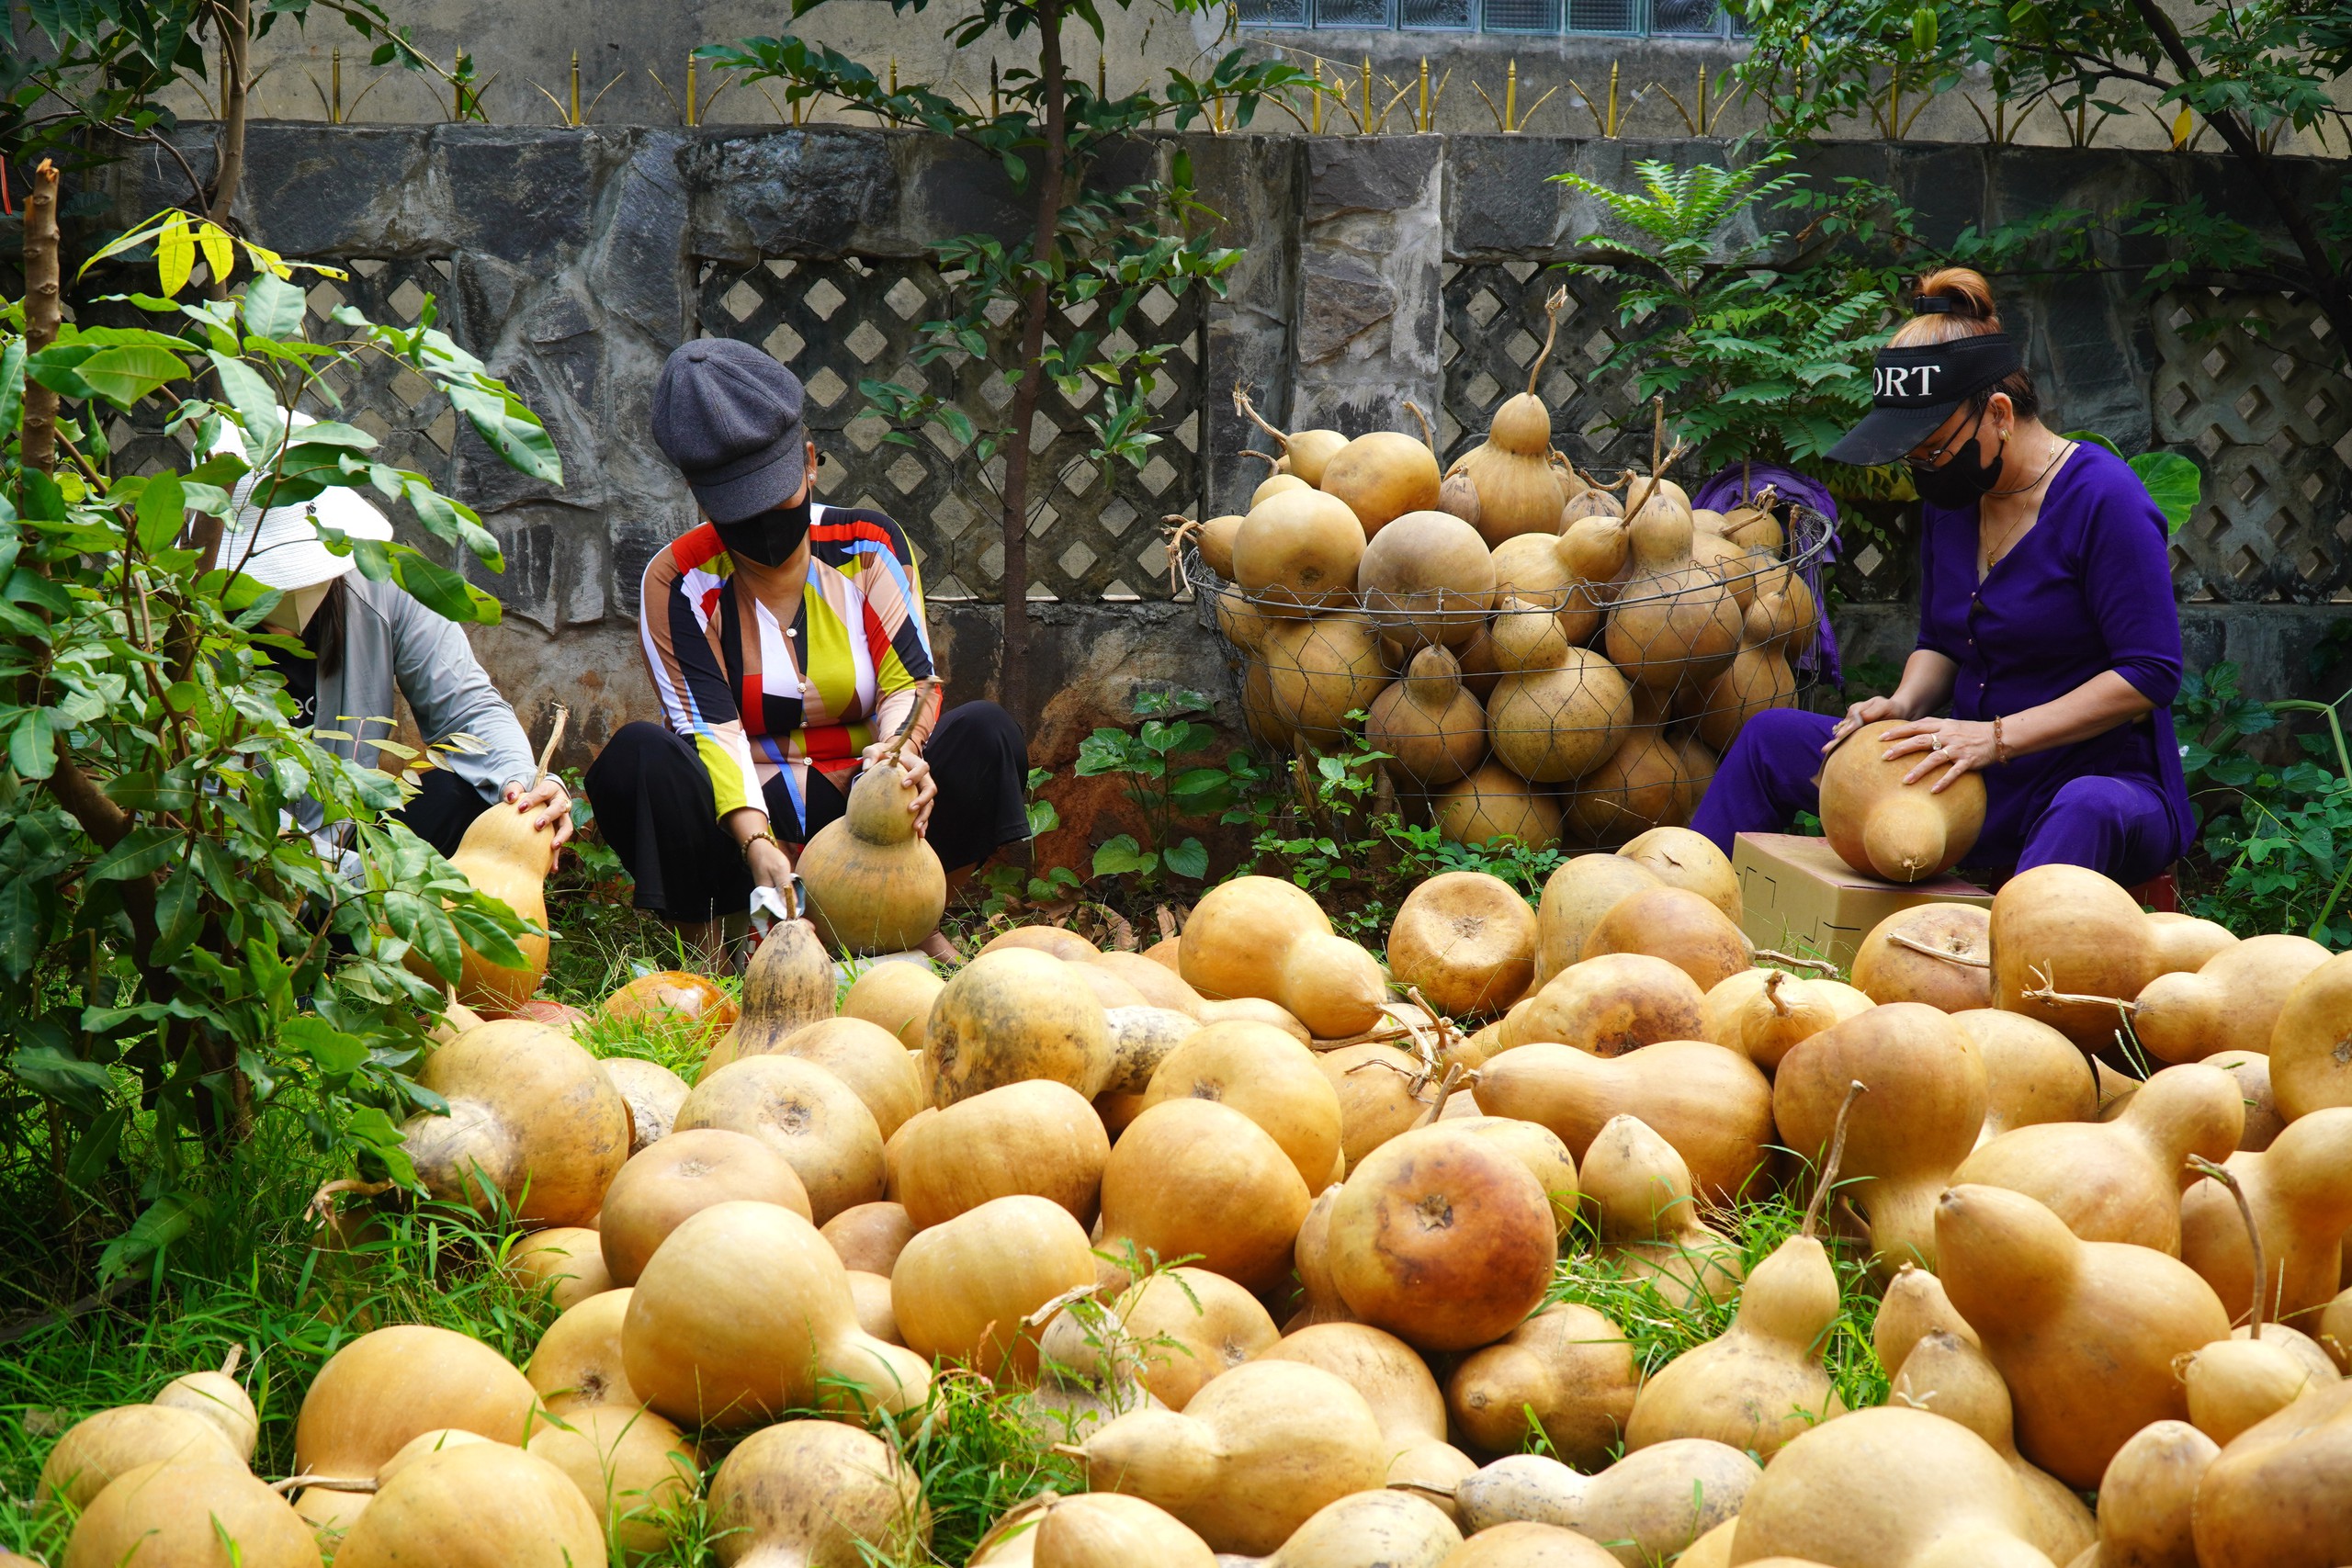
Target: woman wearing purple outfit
[(2046, 621)]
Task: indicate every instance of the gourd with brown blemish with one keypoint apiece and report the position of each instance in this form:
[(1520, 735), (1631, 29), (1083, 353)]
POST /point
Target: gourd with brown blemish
[(1296, 553), (1381, 477), (533, 1123), (1427, 579), (1884, 827), (1711, 1104), (1321, 669), (1941, 954)]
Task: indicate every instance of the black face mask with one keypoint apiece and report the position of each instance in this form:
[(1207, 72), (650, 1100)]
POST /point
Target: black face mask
[(768, 539), (1964, 479)]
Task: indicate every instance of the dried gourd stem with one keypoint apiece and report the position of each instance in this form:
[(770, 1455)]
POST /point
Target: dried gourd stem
[(1657, 434), (1054, 1308), (555, 739), (326, 1484), (1249, 411), (230, 1362), (1451, 1081), (1442, 1495), (1071, 1450), (907, 725), (1855, 1089), (322, 1204), (2044, 993), (1968, 959), (1180, 529), (2253, 1234), (1772, 991), (1795, 961), (1269, 458), (1552, 308), (1421, 419)]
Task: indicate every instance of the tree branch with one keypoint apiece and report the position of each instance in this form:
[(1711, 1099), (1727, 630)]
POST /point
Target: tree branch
[(2327, 283), (229, 170), (44, 315)]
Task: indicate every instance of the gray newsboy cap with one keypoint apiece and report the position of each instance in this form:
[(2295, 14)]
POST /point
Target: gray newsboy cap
[(729, 417)]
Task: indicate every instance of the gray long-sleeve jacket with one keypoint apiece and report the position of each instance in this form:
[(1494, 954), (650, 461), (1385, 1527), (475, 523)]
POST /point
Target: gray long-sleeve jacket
[(390, 639)]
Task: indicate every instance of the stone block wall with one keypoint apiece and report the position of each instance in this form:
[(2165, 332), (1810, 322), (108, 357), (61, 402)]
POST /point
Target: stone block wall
[(574, 260)]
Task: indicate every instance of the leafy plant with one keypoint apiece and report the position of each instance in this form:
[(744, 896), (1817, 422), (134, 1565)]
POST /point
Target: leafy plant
[(2253, 75), (1758, 356), (1092, 255), (2175, 482), (177, 955), (1147, 759), (2277, 848), (1007, 883)]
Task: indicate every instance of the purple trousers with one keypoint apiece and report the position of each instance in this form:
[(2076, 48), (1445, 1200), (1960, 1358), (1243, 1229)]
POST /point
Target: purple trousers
[(2115, 826)]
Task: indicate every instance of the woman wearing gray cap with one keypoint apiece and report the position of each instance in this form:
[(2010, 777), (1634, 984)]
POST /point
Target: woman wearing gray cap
[(787, 643), (2046, 620), (362, 640)]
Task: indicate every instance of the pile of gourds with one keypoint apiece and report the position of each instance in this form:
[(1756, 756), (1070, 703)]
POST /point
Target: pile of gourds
[(1538, 656), (994, 1170)]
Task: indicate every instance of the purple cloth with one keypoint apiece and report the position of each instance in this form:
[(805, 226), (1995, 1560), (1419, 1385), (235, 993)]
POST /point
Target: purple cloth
[(2119, 827), (1732, 488), (2088, 589)]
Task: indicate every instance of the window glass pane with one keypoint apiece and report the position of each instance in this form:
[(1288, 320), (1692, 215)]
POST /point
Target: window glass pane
[(1521, 15), (1351, 14), (1273, 13), (1604, 16), (1687, 17), (1454, 14)]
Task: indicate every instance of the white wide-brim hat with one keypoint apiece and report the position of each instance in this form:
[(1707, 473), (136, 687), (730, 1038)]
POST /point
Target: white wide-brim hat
[(283, 547)]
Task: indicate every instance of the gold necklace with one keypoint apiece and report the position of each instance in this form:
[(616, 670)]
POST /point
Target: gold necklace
[(1993, 554)]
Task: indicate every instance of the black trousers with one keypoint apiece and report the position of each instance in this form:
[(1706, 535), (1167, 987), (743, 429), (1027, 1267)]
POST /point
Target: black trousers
[(445, 806), (654, 805)]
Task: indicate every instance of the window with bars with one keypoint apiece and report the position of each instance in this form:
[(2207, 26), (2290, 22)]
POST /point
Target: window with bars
[(1621, 19)]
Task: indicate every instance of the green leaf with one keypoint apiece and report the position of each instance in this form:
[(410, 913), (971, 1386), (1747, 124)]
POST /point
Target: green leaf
[(179, 916), (512, 431), (1122, 855), (2174, 482), (423, 926), (123, 375), (12, 383), (142, 851), (273, 308), (441, 590), (1189, 858), (48, 1070), (32, 745), (162, 510), (336, 1054), (377, 1133)]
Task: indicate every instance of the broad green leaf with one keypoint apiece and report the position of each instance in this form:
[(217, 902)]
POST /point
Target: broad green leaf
[(512, 431), (142, 851), (32, 745), (179, 916), (175, 254), (443, 592), (273, 308), (1189, 858), (12, 383), (48, 1070), (2175, 484), (251, 396), (162, 510), (1123, 854), (381, 1135), (337, 1054)]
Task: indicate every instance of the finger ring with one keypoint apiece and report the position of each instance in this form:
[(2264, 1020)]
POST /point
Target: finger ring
[(1935, 742)]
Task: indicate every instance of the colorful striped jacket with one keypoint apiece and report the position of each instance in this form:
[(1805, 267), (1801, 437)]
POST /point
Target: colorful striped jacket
[(758, 698)]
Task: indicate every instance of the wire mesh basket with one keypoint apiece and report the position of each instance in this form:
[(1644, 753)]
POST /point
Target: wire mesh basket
[(1564, 712)]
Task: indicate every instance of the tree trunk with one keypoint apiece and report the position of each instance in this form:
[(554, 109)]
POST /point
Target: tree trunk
[(1012, 675), (44, 313), (229, 168)]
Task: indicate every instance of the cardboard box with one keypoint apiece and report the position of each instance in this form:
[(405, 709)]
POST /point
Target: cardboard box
[(1796, 896)]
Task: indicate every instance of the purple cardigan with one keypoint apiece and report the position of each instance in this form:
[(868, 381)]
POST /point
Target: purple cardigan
[(2088, 589)]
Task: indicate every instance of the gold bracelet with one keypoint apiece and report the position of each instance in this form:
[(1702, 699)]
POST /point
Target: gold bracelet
[(745, 846), (2000, 747)]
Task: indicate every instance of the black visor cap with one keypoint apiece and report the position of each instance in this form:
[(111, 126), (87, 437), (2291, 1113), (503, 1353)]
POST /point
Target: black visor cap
[(1915, 390)]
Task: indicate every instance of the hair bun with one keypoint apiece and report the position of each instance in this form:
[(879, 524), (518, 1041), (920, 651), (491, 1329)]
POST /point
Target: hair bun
[(1954, 291)]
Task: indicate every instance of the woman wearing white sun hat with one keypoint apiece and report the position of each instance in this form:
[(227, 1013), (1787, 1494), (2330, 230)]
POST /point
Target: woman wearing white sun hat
[(364, 639)]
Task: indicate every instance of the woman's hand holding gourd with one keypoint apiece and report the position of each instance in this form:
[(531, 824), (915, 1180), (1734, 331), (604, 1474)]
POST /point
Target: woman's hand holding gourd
[(550, 801), (1870, 710), (919, 775), (1956, 745)]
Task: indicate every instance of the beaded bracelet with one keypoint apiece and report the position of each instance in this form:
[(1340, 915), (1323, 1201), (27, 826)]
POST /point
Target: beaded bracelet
[(2000, 747)]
